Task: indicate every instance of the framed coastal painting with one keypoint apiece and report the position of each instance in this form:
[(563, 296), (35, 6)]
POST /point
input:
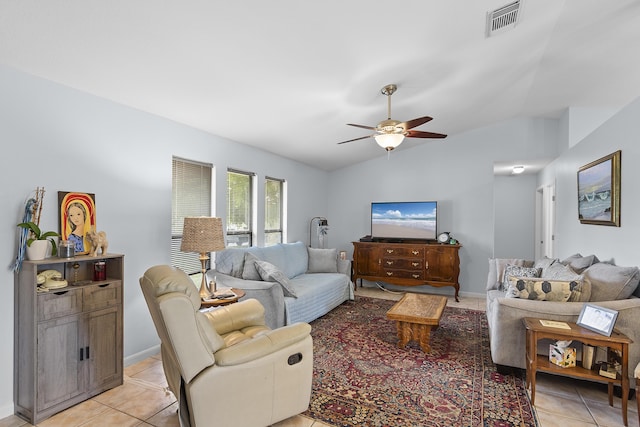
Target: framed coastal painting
[(77, 217), (599, 191)]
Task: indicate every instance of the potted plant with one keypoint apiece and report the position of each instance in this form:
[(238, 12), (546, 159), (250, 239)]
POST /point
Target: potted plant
[(38, 242)]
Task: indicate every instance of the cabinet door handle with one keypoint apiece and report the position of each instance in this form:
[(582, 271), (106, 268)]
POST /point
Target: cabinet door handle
[(104, 285), (389, 262), (87, 351), (389, 251), (415, 276), (61, 293), (415, 264), (415, 252), (389, 273), (426, 266), (81, 354)]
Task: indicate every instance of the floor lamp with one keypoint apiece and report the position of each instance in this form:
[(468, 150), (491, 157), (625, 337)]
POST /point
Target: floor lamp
[(322, 227), (203, 235)]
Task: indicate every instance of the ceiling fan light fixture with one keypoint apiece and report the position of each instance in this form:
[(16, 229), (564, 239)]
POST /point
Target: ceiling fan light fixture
[(389, 141)]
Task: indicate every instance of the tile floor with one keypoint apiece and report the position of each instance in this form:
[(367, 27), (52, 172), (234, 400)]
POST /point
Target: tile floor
[(143, 400)]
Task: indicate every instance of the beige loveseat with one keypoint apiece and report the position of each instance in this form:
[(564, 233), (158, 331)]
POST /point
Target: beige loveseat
[(601, 283)]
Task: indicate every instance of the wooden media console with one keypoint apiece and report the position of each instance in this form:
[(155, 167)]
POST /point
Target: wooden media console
[(407, 264)]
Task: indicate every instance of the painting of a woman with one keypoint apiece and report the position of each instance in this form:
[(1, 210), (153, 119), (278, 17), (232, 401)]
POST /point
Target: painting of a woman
[(77, 217)]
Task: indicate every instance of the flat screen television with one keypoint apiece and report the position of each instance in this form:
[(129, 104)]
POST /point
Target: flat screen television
[(404, 220)]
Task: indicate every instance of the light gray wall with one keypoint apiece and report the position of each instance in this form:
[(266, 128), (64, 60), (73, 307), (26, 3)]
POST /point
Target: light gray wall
[(514, 216), (65, 140), (457, 172), (621, 132)]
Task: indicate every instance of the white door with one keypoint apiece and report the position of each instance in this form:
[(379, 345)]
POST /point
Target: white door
[(545, 215)]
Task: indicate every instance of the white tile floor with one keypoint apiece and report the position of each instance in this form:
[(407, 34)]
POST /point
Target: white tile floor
[(559, 401)]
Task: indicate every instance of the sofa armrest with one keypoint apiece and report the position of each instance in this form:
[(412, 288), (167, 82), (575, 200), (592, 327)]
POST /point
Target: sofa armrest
[(507, 332), (265, 344), (232, 317), (344, 266), (269, 294)]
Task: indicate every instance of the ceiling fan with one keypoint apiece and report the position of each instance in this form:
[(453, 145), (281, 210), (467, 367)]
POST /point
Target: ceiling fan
[(390, 133)]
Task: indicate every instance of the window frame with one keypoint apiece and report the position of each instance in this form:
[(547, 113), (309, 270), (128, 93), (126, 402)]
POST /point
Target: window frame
[(280, 230), (189, 262), (250, 231)]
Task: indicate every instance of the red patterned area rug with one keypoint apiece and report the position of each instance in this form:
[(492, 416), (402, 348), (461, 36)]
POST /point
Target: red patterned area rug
[(361, 377)]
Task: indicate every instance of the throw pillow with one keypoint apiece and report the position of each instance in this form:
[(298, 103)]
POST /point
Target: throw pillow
[(580, 263), (611, 282), (518, 271), (249, 271), (496, 270), (544, 263), (559, 271), (270, 273), (540, 289), (322, 260)]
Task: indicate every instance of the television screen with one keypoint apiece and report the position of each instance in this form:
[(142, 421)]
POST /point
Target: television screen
[(404, 220)]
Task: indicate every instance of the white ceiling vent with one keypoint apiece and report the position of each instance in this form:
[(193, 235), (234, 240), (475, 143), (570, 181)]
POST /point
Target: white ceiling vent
[(503, 18)]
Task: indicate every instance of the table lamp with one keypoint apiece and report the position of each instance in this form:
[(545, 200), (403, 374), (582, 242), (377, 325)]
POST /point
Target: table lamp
[(203, 235)]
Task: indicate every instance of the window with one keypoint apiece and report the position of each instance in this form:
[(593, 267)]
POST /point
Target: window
[(191, 196), (273, 197), (239, 208)]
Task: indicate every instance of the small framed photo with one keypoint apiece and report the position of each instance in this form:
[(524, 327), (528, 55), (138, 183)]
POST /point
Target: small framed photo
[(597, 319)]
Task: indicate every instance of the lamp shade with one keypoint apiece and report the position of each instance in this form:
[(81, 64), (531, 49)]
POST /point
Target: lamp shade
[(389, 141), (202, 234)]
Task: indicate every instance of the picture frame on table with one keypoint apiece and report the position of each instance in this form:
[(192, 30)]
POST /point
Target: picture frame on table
[(599, 191), (597, 319)]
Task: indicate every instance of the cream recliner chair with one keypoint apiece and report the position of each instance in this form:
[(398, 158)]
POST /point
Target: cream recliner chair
[(225, 367)]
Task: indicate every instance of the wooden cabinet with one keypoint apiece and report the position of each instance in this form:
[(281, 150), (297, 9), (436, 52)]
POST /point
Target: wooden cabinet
[(68, 341), (407, 264)]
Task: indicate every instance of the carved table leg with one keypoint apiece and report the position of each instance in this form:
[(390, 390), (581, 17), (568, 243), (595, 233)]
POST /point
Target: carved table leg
[(404, 333), (425, 338)]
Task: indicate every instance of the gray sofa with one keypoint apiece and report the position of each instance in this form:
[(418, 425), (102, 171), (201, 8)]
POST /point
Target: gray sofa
[(601, 283), (293, 282)]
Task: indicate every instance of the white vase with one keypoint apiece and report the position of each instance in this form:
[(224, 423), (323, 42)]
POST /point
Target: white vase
[(38, 250)]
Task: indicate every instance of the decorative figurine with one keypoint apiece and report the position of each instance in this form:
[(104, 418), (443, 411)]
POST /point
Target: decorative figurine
[(98, 240)]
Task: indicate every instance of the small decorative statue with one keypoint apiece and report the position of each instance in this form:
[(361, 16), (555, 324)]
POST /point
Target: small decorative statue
[(98, 240)]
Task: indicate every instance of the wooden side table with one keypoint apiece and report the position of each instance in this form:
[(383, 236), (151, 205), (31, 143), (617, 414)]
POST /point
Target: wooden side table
[(535, 362), (220, 302)]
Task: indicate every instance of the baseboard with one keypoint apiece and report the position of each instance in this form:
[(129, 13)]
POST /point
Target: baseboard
[(6, 410), (135, 358)]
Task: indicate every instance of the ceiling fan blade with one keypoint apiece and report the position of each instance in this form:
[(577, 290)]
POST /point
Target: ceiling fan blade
[(421, 134), (417, 122), (356, 139), (362, 126)]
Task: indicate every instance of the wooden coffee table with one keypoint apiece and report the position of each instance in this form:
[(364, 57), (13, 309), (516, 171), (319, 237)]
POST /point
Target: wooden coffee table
[(416, 315)]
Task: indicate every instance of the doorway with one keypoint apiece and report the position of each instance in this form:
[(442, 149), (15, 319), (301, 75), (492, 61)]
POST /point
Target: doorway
[(545, 220)]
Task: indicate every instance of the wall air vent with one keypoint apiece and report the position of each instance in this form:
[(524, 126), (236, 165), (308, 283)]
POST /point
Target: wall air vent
[(503, 18)]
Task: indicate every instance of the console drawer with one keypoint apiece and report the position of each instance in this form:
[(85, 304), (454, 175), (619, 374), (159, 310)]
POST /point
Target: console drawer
[(58, 303)]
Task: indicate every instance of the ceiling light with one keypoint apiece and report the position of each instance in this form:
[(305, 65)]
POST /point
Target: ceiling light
[(389, 141), (518, 169)]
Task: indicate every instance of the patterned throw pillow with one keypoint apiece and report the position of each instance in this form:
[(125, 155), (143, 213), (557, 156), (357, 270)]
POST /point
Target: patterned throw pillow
[(543, 289), (518, 271), (271, 273)]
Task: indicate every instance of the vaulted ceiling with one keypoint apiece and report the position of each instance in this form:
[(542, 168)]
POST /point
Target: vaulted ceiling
[(287, 75)]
